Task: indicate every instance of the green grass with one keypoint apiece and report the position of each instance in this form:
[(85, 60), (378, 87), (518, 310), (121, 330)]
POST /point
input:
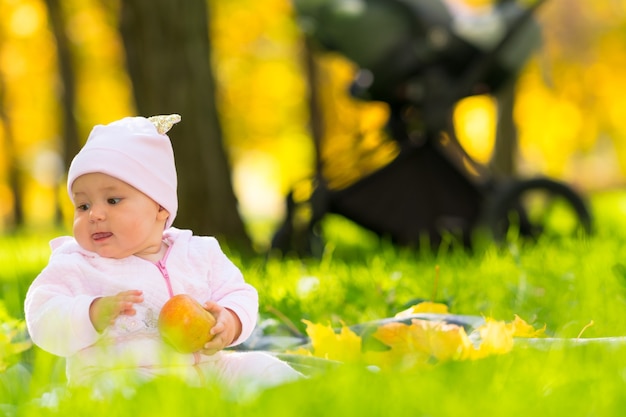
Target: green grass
[(565, 284)]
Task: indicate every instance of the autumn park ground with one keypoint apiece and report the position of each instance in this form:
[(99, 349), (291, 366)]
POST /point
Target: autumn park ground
[(576, 288)]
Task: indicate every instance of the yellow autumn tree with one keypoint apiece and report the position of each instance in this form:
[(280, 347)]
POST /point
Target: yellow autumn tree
[(569, 104)]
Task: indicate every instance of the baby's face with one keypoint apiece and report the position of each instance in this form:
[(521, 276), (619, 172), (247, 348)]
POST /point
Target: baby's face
[(114, 219)]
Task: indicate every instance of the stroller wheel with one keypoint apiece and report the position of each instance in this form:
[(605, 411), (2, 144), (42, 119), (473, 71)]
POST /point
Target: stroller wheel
[(536, 207)]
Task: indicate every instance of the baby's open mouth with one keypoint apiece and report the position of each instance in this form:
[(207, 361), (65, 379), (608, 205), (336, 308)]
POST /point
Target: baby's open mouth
[(101, 235)]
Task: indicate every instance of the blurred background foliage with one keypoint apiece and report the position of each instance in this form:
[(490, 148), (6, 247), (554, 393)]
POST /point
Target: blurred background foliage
[(571, 101)]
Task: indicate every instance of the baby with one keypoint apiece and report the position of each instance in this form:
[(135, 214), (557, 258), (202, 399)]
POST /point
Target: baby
[(97, 301)]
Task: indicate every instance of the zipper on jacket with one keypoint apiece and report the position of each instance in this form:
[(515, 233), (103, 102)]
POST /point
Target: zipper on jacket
[(163, 269)]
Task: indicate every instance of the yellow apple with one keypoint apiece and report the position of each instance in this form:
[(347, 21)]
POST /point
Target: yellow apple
[(185, 324)]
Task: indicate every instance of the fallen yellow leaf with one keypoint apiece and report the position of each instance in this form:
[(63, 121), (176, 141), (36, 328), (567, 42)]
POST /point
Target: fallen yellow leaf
[(424, 307), (421, 342), (522, 329), (344, 346), (496, 337)]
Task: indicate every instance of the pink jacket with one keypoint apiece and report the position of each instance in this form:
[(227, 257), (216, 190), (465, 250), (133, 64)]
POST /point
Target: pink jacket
[(57, 303)]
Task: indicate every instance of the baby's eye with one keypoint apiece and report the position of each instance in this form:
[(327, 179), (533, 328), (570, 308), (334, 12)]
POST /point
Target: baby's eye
[(113, 201), (82, 207)]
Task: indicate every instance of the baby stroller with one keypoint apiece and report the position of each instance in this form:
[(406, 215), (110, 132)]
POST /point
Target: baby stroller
[(421, 59)]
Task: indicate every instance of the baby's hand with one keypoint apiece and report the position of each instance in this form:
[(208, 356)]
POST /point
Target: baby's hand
[(226, 330), (104, 310)]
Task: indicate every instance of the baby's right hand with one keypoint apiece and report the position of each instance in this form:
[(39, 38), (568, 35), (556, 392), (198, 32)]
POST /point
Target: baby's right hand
[(104, 310)]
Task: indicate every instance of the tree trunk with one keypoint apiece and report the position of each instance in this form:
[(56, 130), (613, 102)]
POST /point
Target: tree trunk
[(502, 162), (316, 122), (13, 171), (71, 141), (13, 174), (168, 58)]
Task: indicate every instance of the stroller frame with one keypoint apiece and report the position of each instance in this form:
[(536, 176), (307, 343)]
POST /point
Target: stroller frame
[(432, 188)]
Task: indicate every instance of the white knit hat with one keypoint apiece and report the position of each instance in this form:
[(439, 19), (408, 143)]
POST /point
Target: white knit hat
[(135, 150)]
